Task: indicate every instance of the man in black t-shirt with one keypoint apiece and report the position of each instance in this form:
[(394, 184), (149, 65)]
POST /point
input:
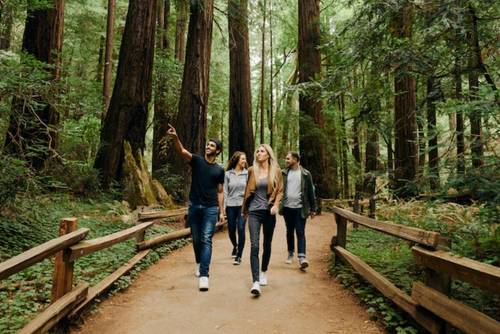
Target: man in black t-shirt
[(206, 196)]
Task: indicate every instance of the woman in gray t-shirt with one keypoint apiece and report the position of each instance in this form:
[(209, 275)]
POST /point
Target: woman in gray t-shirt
[(234, 189)]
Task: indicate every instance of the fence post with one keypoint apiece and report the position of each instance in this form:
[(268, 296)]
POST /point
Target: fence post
[(141, 235), (371, 213), (356, 209), (62, 281)]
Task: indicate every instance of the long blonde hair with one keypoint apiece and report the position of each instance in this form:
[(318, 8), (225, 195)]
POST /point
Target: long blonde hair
[(274, 168)]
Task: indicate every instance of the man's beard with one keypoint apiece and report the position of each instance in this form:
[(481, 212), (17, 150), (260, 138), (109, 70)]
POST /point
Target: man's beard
[(210, 153)]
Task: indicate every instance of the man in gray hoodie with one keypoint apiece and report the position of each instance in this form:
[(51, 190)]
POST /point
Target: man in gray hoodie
[(299, 202)]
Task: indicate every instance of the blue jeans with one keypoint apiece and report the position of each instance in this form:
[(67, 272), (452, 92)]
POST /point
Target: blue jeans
[(295, 223), (235, 222), (202, 220), (256, 219)]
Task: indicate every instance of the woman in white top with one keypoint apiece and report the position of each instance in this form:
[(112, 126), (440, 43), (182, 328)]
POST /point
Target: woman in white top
[(234, 190)]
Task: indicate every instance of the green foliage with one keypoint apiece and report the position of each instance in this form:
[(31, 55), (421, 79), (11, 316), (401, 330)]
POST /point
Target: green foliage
[(15, 176)]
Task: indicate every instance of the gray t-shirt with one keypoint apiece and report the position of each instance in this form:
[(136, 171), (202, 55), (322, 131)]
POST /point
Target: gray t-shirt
[(234, 187), (293, 196), (259, 200)]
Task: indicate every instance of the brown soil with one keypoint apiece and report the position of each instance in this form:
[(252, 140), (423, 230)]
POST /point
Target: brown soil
[(165, 298)]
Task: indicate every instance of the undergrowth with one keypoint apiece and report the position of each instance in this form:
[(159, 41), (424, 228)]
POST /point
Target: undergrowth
[(471, 235), (32, 221)]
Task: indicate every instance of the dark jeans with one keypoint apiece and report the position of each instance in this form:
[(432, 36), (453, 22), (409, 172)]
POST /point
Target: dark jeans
[(295, 223), (202, 221), (256, 219), (236, 222)]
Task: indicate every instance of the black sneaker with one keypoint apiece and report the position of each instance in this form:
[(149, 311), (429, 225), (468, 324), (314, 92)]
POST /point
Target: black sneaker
[(237, 261), (234, 252)]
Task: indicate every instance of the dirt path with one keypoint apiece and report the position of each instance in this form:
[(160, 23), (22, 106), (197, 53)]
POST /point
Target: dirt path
[(165, 298)]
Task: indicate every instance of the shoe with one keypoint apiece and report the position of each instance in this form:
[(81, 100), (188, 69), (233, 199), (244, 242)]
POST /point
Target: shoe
[(289, 259), (203, 283), (197, 270), (263, 278), (255, 288), (303, 263), (234, 252), (237, 261)]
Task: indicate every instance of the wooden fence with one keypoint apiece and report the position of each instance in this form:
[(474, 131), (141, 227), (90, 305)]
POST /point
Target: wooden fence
[(67, 300), (429, 303)]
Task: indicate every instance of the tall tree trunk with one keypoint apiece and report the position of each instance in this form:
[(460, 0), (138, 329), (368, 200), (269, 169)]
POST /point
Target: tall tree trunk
[(100, 62), (433, 95), (311, 120), (162, 111), (191, 121), (474, 70), (128, 110), (240, 99), (182, 7), (262, 69), (457, 77), (406, 148), (422, 148), (6, 23), (108, 57), (371, 165), (32, 134), (345, 146), (271, 60), (356, 153)]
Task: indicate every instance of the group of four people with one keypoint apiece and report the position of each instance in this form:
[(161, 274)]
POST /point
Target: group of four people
[(254, 195)]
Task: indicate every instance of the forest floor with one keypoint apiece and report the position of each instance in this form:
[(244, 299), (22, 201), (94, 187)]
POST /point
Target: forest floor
[(165, 297)]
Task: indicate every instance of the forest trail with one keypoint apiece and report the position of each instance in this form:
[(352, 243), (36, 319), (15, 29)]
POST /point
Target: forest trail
[(165, 298)]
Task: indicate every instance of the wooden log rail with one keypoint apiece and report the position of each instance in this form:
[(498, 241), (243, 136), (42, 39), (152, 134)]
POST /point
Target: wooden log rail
[(69, 301), (429, 304)]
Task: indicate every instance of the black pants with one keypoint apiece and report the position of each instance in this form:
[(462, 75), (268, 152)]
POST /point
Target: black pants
[(235, 222), (295, 224), (256, 219)]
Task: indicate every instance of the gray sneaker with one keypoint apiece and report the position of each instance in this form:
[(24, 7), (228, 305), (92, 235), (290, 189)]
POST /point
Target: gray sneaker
[(289, 259)]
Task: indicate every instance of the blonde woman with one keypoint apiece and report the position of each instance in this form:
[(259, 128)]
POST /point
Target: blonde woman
[(263, 194)]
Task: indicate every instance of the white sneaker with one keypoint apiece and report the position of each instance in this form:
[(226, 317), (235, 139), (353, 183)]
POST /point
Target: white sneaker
[(203, 284), (263, 278), (197, 270), (289, 259), (255, 288), (303, 263)]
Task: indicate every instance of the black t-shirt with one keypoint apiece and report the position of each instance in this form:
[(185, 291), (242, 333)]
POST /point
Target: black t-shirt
[(205, 179)]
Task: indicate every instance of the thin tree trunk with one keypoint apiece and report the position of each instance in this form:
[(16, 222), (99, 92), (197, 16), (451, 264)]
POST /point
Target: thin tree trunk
[(32, 134), (460, 122), (108, 57), (162, 111), (356, 153), (240, 99), (474, 70), (371, 166), (311, 121), (345, 170), (127, 116), (6, 23), (422, 148), (271, 102), (433, 95), (262, 69), (100, 62), (182, 7), (406, 148)]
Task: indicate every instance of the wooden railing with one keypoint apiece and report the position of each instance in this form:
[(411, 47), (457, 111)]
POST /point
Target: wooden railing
[(429, 303), (68, 301)]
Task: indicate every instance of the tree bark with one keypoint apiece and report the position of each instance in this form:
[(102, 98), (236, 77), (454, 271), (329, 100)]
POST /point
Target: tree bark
[(474, 70), (270, 109), (108, 57), (128, 111), (433, 95), (406, 148), (262, 69), (311, 122), (344, 145), (180, 29), (162, 111), (240, 99), (6, 23), (191, 121), (457, 77), (100, 62), (32, 134)]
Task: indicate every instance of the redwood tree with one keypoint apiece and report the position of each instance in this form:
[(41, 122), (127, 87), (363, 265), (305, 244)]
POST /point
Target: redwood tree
[(128, 110), (311, 118), (32, 134), (405, 121), (191, 123), (182, 8), (240, 109), (108, 56)]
